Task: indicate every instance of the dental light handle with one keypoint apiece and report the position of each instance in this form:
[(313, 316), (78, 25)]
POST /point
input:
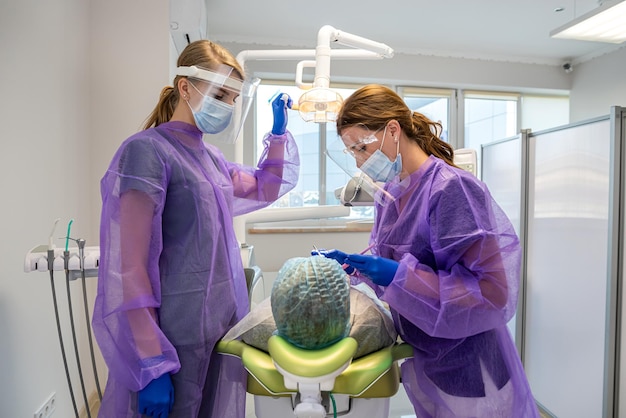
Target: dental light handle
[(300, 70)]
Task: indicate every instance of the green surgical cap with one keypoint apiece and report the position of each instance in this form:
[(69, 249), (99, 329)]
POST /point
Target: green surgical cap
[(311, 302)]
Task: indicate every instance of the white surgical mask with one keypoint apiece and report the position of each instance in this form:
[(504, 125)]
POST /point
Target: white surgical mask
[(213, 116), (379, 167)]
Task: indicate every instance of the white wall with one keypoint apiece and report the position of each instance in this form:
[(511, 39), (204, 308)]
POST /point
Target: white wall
[(77, 77), (597, 85), (423, 71)]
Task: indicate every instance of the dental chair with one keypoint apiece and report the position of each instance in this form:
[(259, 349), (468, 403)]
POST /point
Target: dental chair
[(287, 381), (290, 382)]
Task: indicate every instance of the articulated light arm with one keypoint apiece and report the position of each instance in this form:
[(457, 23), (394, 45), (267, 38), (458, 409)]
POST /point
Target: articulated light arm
[(327, 35), (320, 104)]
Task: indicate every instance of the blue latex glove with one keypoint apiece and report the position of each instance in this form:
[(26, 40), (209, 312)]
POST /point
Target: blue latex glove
[(337, 255), (380, 270), (280, 104), (157, 398)]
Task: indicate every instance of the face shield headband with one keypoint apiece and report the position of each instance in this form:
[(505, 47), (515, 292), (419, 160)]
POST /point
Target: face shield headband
[(226, 100)]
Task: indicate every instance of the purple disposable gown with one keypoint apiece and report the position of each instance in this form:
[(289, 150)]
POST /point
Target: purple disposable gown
[(171, 280), (454, 291)]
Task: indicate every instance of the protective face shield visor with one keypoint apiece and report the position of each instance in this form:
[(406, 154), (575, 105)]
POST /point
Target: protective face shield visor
[(233, 97), (350, 152)]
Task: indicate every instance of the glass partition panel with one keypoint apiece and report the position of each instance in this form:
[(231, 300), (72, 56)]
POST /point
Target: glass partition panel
[(502, 172), (567, 268)]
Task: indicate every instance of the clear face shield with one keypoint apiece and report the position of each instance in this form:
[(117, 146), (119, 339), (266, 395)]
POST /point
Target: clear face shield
[(224, 100), (351, 152)]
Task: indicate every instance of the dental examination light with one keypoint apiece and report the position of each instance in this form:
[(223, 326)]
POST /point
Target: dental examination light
[(319, 103)]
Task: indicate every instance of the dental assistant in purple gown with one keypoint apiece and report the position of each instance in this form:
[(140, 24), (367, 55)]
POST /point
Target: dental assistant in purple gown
[(445, 258), (171, 280)]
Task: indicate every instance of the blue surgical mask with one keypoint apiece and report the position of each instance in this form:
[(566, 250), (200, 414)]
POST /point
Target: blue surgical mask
[(213, 116), (378, 166)]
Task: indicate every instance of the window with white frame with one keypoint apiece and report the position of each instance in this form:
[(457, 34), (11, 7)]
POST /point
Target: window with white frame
[(319, 177), (482, 117), (489, 117), (436, 104), (492, 116)]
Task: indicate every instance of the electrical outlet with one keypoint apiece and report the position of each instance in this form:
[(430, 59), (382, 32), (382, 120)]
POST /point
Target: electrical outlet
[(47, 409)]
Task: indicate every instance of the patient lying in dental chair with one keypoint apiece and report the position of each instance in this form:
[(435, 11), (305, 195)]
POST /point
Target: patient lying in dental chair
[(312, 305)]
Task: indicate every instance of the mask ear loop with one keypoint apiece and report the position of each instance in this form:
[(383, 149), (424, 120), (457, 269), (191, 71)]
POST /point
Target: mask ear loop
[(383, 141), (397, 141)]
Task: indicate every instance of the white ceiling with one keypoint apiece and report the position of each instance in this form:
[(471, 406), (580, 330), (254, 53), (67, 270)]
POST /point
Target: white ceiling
[(501, 30)]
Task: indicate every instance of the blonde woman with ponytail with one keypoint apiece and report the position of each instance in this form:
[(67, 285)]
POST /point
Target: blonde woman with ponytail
[(171, 281), (445, 258)]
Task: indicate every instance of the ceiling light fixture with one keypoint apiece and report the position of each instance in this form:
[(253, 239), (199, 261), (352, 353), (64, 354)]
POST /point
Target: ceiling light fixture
[(606, 23)]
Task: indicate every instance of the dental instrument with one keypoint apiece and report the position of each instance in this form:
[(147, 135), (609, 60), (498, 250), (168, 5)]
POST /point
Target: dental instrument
[(50, 253), (369, 247), (66, 262)]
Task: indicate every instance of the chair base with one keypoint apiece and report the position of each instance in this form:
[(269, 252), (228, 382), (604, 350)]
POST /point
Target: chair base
[(283, 407)]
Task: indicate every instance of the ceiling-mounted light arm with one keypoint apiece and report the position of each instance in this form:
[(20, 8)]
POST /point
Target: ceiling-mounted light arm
[(301, 54), (365, 49), (305, 55), (327, 35), (320, 104)]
